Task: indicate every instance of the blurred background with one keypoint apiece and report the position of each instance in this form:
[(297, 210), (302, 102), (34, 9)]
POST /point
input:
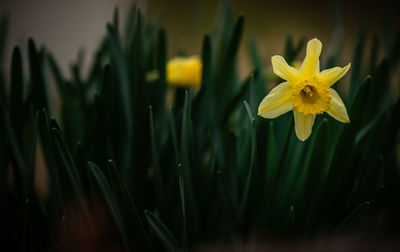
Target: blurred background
[(66, 27)]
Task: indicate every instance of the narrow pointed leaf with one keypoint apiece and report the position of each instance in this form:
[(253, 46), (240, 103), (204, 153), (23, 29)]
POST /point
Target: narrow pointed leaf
[(206, 62), (38, 85), (252, 158), (165, 236), (16, 94), (129, 213), (157, 171), (100, 182), (183, 205), (15, 149)]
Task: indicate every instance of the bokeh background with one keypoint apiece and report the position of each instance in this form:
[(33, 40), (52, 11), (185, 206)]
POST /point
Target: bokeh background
[(67, 27)]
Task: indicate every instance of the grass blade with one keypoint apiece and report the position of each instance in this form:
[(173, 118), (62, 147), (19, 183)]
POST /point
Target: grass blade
[(16, 109), (357, 212), (66, 160), (165, 236), (100, 182), (252, 158), (271, 163), (158, 182), (32, 154), (38, 85), (185, 159), (225, 80), (162, 56), (229, 197), (123, 87), (182, 196), (49, 153), (314, 173), (173, 134), (127, 206), (356, 65), (3, 36), (58, 78), (239, 96), (15, 150), (206, 58)]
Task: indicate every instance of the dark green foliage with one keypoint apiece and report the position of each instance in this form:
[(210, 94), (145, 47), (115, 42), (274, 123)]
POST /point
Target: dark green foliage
[(162, 232), (125, 165), (3, 40)]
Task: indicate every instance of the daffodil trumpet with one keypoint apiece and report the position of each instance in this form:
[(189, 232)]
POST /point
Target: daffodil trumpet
[(307, 91), (184, 72)]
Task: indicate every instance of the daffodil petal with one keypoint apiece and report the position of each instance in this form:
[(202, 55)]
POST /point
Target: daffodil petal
[(277, 102), (310, 64), (303, 124), (337, 109), (283, 70), (334, 74)]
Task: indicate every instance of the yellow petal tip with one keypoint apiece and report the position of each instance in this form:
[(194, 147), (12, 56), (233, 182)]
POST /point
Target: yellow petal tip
[(275, 57), (315, 40), (302, 138)]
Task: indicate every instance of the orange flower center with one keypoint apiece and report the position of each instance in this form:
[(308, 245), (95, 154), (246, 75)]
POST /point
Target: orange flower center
[(311, 96)]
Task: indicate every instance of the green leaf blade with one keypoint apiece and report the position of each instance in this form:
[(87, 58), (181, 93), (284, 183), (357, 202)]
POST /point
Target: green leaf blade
[(165, 236)]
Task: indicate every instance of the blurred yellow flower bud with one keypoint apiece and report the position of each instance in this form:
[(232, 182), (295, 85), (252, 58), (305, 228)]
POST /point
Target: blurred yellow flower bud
[(184, 72)]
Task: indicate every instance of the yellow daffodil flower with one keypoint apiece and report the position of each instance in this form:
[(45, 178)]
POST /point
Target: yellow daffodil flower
[(184, 72), (306, 91)]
